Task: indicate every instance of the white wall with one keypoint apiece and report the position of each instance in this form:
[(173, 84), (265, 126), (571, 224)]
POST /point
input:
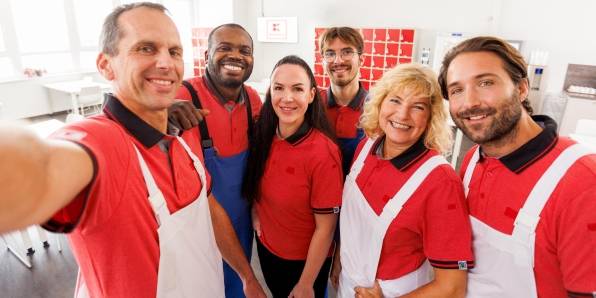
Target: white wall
[(565, 29)]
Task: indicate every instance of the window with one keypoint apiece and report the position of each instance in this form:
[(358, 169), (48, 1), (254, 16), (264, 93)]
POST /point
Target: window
[(50, 63), (58, 36), (6, 68), (40, 25), (2, 49), (90, 16), (181, 11), (87, 60)]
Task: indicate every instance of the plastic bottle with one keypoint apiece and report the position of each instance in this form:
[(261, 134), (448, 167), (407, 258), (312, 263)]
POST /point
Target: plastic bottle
[(537, 78)]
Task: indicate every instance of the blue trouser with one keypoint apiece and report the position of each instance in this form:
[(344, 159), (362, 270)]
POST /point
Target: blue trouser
[(227, 174), (348, 148)]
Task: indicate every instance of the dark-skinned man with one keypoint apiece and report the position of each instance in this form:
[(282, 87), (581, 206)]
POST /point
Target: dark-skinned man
[(225, 132)]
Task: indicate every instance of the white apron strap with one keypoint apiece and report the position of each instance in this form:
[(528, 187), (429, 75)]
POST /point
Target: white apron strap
[(156, 198), (359, 162), (529, 215), (196, 162), (470, 170), (394, 205)]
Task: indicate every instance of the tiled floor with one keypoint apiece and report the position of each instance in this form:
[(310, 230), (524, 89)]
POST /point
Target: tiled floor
[(53, 274)]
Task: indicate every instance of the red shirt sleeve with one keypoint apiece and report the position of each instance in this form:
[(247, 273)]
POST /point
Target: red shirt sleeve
[(576, 247), (108, 158), (326, 179), (447, 232)]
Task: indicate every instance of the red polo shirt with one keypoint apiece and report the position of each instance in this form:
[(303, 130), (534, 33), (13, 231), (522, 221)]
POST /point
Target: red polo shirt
[(227, 121), (344, 120), (113, 228), (303, 176), (565, 247), (433, 224)]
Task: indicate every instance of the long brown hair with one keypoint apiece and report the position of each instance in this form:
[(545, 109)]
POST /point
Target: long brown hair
[(266, 126)]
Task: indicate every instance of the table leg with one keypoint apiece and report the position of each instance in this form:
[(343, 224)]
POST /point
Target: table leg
[(75, 103), (16, 252)]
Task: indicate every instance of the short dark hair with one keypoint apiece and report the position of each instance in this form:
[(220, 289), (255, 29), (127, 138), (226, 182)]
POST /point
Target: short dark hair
[(513, 62), (348, 35), (111, 33), (228, 25)]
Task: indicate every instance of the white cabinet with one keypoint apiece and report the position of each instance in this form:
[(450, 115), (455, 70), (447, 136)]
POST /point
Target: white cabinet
[(575, 109)]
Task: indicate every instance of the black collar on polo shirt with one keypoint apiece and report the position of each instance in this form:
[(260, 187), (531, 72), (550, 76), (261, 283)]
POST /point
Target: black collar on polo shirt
[(406, 158), (355, 103), (535, 148), (300, 134), (137, 127), (209, 83)]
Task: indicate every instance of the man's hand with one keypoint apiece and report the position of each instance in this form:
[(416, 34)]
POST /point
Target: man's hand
[(302, 291), (252, 289), (374, 292), (184, 115)]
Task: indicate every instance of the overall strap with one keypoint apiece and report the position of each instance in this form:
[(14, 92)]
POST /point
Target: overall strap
[(206, 140), (250, 125)]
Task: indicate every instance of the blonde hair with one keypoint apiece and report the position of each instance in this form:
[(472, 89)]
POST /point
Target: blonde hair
[(422, 81)]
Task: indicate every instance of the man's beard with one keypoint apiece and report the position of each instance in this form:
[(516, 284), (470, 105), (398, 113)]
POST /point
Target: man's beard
[(501, 129), (342, 82)]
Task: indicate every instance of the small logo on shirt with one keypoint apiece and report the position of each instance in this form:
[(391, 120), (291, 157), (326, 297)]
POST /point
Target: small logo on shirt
[(462, 265)]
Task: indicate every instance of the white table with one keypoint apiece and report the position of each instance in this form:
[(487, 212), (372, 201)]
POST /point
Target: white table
[(43, 129), (73, 88)]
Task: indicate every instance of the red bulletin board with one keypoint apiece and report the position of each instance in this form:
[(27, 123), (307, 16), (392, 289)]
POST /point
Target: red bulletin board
[(199, 46), (383, 49)]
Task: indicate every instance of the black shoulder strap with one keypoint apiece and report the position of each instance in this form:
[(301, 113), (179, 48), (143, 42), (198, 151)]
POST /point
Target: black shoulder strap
[(249, 127), (206, 141)]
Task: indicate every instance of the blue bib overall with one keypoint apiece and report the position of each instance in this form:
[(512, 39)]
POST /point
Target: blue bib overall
[(227, 174)]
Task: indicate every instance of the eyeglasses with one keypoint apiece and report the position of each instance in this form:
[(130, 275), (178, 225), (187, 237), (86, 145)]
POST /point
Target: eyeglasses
[(344, 54)]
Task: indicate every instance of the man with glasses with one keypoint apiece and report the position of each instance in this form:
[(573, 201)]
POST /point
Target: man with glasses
[(341, 48)]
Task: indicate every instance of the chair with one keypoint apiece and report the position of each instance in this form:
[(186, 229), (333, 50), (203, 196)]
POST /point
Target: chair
[(89, 98)]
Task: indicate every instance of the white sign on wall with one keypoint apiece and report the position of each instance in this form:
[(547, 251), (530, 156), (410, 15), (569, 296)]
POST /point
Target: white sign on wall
[(277, 29)]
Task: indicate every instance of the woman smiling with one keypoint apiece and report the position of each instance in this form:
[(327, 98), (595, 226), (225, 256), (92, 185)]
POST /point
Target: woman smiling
[(294, 179), (404, 216)]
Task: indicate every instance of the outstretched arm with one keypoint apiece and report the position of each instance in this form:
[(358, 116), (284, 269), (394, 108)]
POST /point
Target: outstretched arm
[(38, 177)]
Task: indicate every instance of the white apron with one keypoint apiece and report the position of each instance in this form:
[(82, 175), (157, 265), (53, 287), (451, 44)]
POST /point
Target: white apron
[(363, 231), (505, 263), (189, 263)]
